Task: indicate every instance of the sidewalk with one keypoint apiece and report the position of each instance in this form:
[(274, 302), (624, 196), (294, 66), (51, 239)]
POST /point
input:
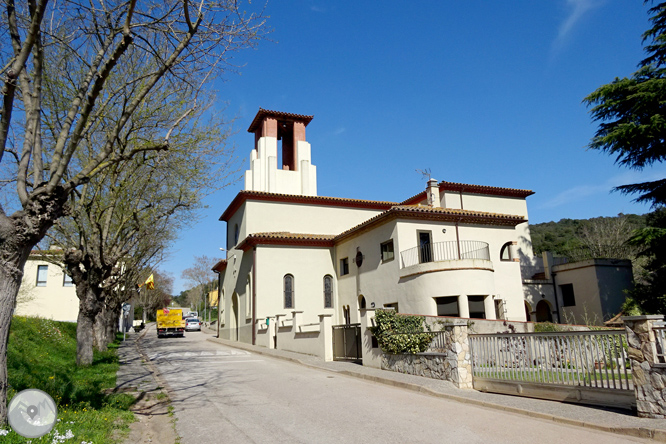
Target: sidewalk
[(607, 420), (134, 374)]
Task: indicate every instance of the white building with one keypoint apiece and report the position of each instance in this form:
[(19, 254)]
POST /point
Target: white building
[(46, 290), (453, 249), (586, 292)]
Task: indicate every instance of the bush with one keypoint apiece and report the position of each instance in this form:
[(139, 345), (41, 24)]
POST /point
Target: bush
[(398, 333)]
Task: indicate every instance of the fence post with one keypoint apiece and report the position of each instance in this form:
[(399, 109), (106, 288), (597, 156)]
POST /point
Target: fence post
[(372, 357), (462, 359), (326, 335), (648, 376)]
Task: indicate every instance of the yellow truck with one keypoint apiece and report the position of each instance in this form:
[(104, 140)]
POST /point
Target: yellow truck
[(170, 322)]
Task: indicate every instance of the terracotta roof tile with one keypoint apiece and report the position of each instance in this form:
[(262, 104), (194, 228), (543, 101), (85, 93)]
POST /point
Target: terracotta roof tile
[(434, 213), (242, 196), (470, 188), (286, 238), (221, 265), (279, 115)]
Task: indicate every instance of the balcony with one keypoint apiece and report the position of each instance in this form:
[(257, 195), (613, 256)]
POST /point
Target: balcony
[(445, 251)]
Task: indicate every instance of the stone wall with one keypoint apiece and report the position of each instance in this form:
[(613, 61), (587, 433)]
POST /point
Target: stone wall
[(649, 376), (450, 360)]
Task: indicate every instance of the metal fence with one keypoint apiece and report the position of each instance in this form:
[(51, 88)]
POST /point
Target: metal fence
[(595, 359), (445, 251), (659, 329)]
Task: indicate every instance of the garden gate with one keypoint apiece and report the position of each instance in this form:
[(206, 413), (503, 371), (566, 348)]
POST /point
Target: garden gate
[(347, 342), (589, 367)]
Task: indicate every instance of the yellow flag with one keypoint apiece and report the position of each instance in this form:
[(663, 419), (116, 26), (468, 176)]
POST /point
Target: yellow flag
[(150, 283)]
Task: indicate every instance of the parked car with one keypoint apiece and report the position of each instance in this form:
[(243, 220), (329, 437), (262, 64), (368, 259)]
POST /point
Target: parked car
[(192, 324)]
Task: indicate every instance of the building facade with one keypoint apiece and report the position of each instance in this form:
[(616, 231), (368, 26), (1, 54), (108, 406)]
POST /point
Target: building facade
[(46, 291), (451, 250)]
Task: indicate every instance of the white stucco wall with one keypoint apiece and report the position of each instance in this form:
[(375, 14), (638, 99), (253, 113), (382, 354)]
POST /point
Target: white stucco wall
[(266, 175), (377, 281), (264, 216), (308, 265), (54, 301), (598, 286)]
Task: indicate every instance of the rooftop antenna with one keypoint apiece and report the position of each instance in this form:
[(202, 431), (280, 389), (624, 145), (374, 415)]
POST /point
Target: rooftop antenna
[(424, 173)]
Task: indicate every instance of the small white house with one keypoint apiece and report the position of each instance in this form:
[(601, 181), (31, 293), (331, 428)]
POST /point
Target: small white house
[(46, 290), (297, 258)]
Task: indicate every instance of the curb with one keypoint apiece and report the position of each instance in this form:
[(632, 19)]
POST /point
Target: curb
[(637, 432)]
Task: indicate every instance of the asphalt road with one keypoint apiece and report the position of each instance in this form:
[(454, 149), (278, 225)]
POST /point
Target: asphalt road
[(224, 395)]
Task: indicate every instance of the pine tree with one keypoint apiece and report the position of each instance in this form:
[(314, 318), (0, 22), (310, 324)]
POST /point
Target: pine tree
[(632, 114)]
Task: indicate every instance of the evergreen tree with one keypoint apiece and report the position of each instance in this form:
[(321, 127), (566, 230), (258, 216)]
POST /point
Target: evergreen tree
[(632, 126), (632, 114)]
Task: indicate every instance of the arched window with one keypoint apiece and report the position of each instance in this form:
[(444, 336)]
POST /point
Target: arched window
[(328, 291), (236, 234), (288, 291), (505, 252)]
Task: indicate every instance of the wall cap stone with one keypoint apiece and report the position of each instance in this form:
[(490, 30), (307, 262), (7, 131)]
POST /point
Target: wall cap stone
[(643, 318)]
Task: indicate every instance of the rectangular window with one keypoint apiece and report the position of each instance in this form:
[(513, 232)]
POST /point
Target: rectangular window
[(477, 310), (568, 299), (67, 280), (447, 306), (387, 251), (42, 272), (344, 266)]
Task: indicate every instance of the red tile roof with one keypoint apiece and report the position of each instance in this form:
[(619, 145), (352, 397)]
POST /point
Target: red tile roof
[(436, 214), (220, 266), (286, 238), (396, 212), (243, 196), (278, 115), (469, 188)]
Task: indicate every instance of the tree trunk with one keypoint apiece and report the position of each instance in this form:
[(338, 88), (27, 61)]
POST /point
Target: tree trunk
[(112, 325), (19, 233), (89, 308), (10, 282), (99, 329)]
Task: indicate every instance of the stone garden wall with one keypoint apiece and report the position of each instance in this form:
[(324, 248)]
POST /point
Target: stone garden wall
[(449, 358), (649, 375)]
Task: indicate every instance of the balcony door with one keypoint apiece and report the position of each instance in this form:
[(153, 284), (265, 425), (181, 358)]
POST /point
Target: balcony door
[(425, 246)]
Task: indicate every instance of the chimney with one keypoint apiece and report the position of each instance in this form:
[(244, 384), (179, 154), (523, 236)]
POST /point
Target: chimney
[(432, 192)]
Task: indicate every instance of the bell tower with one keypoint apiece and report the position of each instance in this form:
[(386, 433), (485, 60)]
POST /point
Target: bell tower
[(296, 174)]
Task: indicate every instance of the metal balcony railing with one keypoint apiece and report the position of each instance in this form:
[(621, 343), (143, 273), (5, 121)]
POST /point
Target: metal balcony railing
[(445, 251)]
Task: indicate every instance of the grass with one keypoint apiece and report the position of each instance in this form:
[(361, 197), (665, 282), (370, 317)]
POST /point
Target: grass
[(42, 355)]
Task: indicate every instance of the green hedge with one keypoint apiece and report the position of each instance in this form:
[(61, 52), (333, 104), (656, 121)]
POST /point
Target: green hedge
[(398, 334)]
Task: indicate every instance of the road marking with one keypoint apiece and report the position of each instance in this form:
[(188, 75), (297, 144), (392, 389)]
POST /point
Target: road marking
[(199, 354)]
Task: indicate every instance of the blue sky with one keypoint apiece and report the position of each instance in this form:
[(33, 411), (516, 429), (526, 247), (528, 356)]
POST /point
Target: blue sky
[(485, 93)]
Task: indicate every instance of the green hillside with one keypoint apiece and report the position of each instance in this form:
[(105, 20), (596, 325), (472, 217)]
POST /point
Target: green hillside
[(571, 235)]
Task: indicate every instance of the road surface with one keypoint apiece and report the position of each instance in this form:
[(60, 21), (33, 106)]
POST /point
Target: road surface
[(225, 395)]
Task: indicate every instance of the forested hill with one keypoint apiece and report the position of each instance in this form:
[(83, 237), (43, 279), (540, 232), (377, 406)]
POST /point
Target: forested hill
[(571, 234)]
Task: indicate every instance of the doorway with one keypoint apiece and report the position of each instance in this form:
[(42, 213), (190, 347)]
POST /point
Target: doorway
[(425, 246)]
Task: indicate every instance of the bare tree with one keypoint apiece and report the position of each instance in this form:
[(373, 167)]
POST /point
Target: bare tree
[(201, 277), (87, 43)]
